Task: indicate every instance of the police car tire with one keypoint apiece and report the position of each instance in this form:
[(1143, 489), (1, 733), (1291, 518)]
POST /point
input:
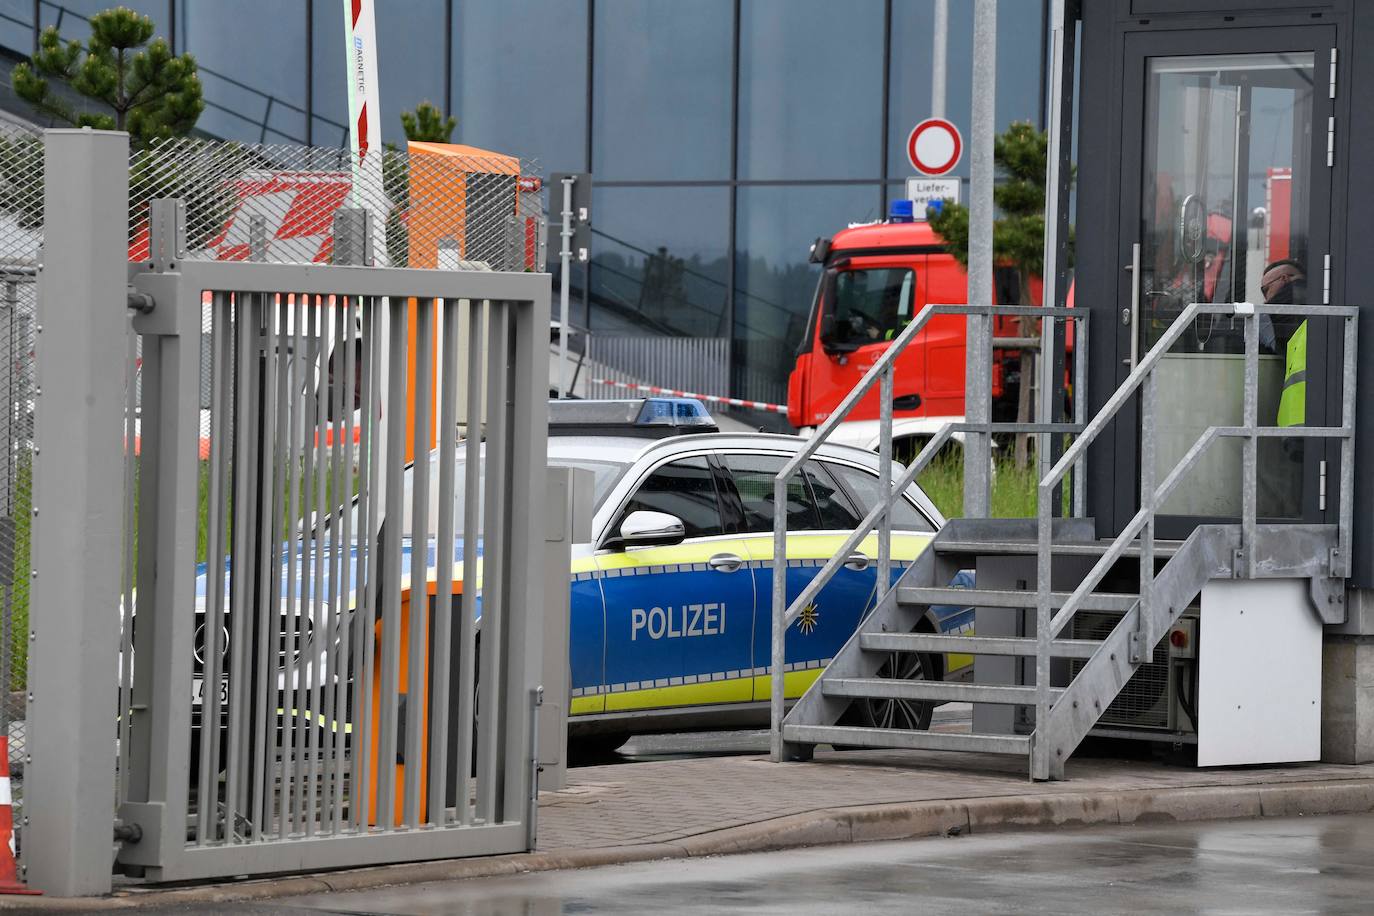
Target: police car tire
[(900, 714)]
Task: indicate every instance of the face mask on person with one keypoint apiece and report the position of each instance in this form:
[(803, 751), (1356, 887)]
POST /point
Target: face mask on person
[(1293, 292)]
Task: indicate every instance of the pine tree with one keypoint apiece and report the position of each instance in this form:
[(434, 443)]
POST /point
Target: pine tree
[(150, 92), (1018, 234), (428, 124)]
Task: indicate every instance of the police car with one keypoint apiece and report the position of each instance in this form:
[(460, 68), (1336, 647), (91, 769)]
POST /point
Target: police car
[(671, 598)]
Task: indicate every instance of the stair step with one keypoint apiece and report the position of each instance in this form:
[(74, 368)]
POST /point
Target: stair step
[(973, 645), (1094, 601), (899, 689), (902, 738), (1163, 549)]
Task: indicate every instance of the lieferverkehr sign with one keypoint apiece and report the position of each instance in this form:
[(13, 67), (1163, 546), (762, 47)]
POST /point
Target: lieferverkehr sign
[(922, 191)]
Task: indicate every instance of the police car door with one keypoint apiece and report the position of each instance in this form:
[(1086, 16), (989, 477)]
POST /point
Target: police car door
[(818, 521), (679, 617)]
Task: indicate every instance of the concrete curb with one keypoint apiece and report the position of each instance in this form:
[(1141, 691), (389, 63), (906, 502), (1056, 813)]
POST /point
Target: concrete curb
[(858, 824)]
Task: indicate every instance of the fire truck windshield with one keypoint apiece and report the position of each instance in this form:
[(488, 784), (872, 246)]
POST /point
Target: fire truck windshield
[(872, 304)]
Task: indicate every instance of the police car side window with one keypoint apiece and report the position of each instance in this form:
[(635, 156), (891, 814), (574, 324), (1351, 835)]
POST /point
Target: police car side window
[(836, 510), (753, 476), (683, 488), (864, 485)]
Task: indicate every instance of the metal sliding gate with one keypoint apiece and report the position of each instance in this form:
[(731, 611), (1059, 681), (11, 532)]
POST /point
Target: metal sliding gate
[(327, 657)]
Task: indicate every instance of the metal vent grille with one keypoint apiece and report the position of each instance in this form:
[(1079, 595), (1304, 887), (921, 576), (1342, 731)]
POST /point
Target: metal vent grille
[(1144, 701)]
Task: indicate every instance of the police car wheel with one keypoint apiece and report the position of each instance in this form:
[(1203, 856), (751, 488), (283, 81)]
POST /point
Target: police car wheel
[(910, 715)]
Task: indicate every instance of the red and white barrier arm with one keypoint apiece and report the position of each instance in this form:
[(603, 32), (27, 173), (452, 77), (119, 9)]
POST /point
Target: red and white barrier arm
[(710, 398)]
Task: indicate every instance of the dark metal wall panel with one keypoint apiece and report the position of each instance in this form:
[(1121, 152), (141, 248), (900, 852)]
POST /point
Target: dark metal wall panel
[(1097, 222), (1352, 283), (1157, 7)]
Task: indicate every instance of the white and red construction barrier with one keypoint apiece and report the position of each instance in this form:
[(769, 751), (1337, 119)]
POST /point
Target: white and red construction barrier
[(9, 868), (709, 398)]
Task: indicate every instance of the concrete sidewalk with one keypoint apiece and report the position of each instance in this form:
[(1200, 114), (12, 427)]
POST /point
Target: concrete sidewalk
[(707, 806), (679, 808)]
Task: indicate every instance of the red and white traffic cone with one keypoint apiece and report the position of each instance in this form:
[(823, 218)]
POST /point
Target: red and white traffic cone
[(9, 868)]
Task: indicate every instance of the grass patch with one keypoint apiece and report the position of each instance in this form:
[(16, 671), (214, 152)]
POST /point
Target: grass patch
[(1013, 489)]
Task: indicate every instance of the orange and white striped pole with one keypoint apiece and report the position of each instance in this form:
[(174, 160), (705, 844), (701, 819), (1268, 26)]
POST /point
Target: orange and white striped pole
[(9, 866)]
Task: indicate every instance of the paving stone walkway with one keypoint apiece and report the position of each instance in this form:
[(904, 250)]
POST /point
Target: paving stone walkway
[(664, 801)]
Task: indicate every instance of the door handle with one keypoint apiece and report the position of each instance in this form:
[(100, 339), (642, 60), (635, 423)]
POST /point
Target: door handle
[(1135, 305), (725, 562), (857, 561)]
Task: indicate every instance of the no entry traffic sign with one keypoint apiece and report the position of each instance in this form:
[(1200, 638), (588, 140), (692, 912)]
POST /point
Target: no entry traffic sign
[(934, 146)]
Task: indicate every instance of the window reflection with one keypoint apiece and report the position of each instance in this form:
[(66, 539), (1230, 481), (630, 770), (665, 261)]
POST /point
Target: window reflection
[(685, 489), (519, 79), (1227, 180), (410, 46), (811, 79), (774, 282), (754, 476), (662, 85), (660, 260), (16, 26), (1019, 30), (330, 124), (1226, 195), (254, 80)]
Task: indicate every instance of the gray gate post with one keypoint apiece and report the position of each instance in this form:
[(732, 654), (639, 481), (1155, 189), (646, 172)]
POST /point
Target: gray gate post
[(78, 513), (568, 509)]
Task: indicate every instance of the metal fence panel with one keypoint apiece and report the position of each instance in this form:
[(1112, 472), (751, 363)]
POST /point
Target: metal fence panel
[(317, 549), (21, 220), (278, 700), (453, 209)]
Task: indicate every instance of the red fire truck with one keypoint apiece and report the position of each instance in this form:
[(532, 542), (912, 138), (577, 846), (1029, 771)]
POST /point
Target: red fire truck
[(875, 279)]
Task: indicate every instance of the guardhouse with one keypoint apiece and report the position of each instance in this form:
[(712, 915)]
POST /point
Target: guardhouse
[(1201, 566), (1217, 137)]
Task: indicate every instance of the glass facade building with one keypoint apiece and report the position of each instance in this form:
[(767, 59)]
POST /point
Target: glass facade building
[(723, 135)]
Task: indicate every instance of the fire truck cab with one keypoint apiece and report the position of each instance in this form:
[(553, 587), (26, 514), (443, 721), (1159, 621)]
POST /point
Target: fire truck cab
[(875, 280)]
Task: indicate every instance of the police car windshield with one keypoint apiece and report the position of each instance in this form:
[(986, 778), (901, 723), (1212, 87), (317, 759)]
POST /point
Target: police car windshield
[(604, 474)]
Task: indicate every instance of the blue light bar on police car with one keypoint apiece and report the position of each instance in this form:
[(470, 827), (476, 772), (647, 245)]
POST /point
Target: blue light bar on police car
[(673, 412), (657, 416)]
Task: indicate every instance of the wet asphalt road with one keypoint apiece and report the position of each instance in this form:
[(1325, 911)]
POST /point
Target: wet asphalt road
[(1299, 865)]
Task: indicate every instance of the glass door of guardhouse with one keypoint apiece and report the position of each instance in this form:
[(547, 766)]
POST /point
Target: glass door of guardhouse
[(1226, 198)]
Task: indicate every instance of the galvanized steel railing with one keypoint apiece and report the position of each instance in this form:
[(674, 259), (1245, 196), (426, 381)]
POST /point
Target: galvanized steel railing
[(783, 613), (1141, 527)]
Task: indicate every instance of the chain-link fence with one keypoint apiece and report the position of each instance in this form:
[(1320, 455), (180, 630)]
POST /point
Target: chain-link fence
[(430, 206), (21, 220), (433, 206)]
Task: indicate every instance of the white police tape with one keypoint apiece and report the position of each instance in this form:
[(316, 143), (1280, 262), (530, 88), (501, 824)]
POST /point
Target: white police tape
[(673, 392)]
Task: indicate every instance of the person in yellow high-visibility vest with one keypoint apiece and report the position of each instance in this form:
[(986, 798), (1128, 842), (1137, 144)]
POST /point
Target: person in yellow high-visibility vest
[(1283, 283)]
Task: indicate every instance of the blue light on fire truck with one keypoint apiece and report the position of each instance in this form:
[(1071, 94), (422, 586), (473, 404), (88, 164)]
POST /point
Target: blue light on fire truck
[(900, 211)]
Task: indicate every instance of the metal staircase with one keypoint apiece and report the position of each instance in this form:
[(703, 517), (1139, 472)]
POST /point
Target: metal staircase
[(1145, 582)]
